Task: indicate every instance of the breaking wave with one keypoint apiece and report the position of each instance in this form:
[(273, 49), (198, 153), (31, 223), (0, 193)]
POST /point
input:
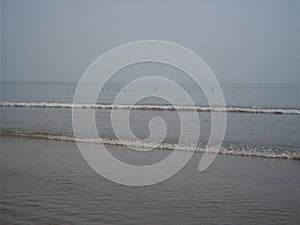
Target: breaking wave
[(154, 107), (266, 152)]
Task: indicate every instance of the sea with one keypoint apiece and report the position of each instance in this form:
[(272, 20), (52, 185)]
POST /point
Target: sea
[(255, 178)]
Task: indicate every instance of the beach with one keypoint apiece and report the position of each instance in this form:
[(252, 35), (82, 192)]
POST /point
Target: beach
[(48, 182), (149, 112)]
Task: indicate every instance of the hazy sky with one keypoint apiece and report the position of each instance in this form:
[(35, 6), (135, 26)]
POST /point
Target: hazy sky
[(242, 41)]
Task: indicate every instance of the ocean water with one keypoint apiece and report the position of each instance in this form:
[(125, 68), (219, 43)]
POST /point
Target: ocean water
[(254, 180), (262, 120)]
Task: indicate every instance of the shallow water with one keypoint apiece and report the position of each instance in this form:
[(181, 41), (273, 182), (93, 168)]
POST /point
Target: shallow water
[(268, 135), (48, 182)]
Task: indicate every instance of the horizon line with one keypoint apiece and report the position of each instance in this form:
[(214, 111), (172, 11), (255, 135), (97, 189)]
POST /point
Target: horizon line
[(69, 82)]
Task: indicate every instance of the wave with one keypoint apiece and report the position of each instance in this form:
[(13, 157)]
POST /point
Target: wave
[(154, 107), (266, 152)]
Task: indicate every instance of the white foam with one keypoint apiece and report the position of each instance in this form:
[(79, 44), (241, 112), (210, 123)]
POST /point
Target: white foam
[(266, 152), (153, 107)]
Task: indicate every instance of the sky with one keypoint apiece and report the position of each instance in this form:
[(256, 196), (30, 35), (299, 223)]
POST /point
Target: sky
[(242, 41)]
